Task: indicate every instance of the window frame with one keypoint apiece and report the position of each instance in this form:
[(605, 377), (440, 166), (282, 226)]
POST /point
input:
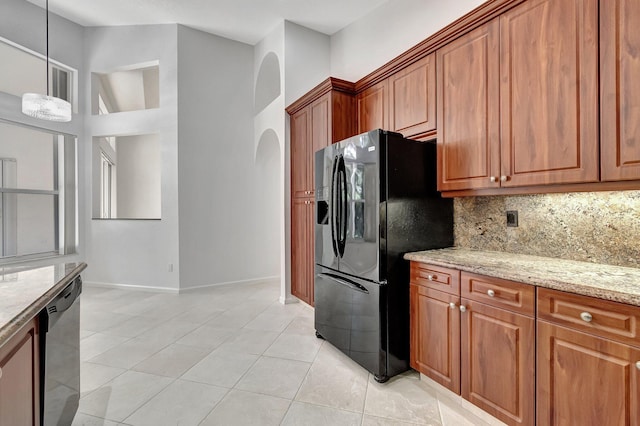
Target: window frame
[(64, 192)]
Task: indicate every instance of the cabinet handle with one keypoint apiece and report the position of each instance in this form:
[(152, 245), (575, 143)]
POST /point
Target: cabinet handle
[(453, 306), (491, 293), (463, 308), (504, 178), (1, 370), (586, 317), (492, 179), (431, 277)]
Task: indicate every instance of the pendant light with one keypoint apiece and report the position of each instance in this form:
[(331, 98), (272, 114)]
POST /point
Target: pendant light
[(45, 107)]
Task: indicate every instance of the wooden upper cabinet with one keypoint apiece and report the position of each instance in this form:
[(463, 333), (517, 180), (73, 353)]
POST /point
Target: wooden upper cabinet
[(468, 108), (412, 94), (549, 99), (320, 134), (518, 101), (373, 107), (620, 89), (300, 137)]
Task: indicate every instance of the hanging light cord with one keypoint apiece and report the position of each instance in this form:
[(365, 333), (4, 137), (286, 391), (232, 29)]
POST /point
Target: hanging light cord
[(47, 73)]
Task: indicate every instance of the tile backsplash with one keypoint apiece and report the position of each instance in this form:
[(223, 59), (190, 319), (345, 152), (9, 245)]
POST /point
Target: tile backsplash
[(600, 227)]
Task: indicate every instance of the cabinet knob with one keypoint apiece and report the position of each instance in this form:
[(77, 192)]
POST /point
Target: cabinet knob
[(504, 178), (637, 366), (491, 293), (431, 277), (492, 179), (463, 308), (586, 317), (1, 370), (453, 306)]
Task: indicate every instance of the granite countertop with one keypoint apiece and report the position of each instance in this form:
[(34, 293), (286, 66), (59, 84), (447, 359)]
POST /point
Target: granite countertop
[(25, 292), (615, 283)]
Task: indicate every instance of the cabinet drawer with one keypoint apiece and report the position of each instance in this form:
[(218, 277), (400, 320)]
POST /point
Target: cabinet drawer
[(611, 320), (443, 279), (510, 295)]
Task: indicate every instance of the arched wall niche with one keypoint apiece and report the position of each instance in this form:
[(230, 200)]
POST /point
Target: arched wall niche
[(268, 86)]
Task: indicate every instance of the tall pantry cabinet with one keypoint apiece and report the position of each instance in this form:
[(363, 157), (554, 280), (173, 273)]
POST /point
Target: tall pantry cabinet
[(324, 116)]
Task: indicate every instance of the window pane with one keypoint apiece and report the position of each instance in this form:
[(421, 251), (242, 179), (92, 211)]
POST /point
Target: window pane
[(30, 154), (28, 224), (60, 83)]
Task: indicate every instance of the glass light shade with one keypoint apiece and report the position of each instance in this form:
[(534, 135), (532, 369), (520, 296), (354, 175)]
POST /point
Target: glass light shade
[(46, 107)]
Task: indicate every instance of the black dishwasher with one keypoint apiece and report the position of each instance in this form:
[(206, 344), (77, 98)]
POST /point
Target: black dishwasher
[(60, 357)]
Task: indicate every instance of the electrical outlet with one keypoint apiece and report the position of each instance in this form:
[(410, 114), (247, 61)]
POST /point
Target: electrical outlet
[(512, 218)]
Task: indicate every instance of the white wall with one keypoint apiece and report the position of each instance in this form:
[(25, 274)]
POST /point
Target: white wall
[(388, 31), (307, 59), (222, 237), (269, 126), (139, 173), (136, 252), (17, 20)]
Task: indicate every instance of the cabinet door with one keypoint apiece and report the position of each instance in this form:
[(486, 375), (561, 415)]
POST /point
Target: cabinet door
[(468, 110), (342, 119), (302, 249), (320, 134), (620, 86), (498, 362), (586, 380), (413, 98), (373, 109), (20, 378), (549, 99), (435, 336), (300, 139)]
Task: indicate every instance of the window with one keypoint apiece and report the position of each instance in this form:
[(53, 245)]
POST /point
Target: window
[(60, 87), (127, 177), (23, 71), (37, 193), (107, 193)]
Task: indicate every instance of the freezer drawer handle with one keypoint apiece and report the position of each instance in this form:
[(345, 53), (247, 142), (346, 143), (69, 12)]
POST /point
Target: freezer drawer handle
[(345, 282)]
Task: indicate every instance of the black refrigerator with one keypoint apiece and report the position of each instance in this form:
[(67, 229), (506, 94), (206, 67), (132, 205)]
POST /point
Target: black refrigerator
[(376, 199)]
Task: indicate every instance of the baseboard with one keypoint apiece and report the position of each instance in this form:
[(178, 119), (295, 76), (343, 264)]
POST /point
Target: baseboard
[(130, 287), (176, 291), (239, 282)]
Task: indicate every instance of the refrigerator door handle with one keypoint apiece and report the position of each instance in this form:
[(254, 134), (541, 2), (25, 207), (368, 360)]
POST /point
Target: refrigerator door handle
[(342, 232), (344, 281), (334, 241)]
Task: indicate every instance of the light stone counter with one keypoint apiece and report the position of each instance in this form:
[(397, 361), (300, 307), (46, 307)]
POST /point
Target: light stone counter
[(25, 292), (615, 283)]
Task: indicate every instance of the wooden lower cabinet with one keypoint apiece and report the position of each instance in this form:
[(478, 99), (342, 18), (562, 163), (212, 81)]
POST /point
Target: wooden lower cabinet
[(586, 380), (302, 255), (484, 353), (435, 351), (498, 362), (20, 378)]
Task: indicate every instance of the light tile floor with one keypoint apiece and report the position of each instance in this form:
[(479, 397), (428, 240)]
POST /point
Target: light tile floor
[(233, 355)]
